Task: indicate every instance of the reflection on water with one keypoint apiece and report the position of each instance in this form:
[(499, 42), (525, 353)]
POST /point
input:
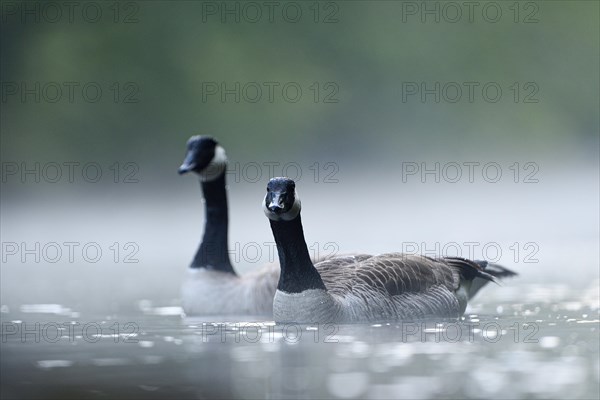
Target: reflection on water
[(544, 346)]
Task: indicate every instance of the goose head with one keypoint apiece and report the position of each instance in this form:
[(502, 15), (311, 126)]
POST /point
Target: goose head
[(205, 157), (281, 202)]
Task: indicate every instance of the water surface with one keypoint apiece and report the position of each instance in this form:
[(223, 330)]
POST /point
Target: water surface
[(501, 348)]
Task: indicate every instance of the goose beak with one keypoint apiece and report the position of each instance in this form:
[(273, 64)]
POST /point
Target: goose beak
[(276, 205), (186, 167), (276, 208), (189, 163)]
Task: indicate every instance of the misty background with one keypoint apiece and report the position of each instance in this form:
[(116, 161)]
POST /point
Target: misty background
[(354, 135)]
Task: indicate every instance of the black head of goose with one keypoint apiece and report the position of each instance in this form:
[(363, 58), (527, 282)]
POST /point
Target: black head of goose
[(362, 288), (213, 287)]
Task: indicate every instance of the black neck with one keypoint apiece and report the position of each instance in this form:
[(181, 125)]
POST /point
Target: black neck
[(297, 270), (213, 253)]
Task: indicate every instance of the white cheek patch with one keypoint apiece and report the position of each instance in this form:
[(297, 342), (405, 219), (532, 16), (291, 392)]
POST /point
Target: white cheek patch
[(287, 216), (216, 167), (294, 211)]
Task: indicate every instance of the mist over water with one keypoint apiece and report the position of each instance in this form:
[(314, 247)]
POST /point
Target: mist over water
[(133, 242)]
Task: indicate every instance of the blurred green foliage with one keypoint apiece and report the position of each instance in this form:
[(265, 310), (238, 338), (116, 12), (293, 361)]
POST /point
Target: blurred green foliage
[(172, 47)]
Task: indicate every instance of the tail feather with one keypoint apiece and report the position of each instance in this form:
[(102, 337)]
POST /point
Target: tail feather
[(469, 270), (495, 270)]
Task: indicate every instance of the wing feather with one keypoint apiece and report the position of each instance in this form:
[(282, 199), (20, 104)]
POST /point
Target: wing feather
[(396, 285)]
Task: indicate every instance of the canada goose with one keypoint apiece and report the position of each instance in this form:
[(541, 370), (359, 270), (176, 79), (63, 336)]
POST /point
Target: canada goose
[(362, 288), (212, 286)]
